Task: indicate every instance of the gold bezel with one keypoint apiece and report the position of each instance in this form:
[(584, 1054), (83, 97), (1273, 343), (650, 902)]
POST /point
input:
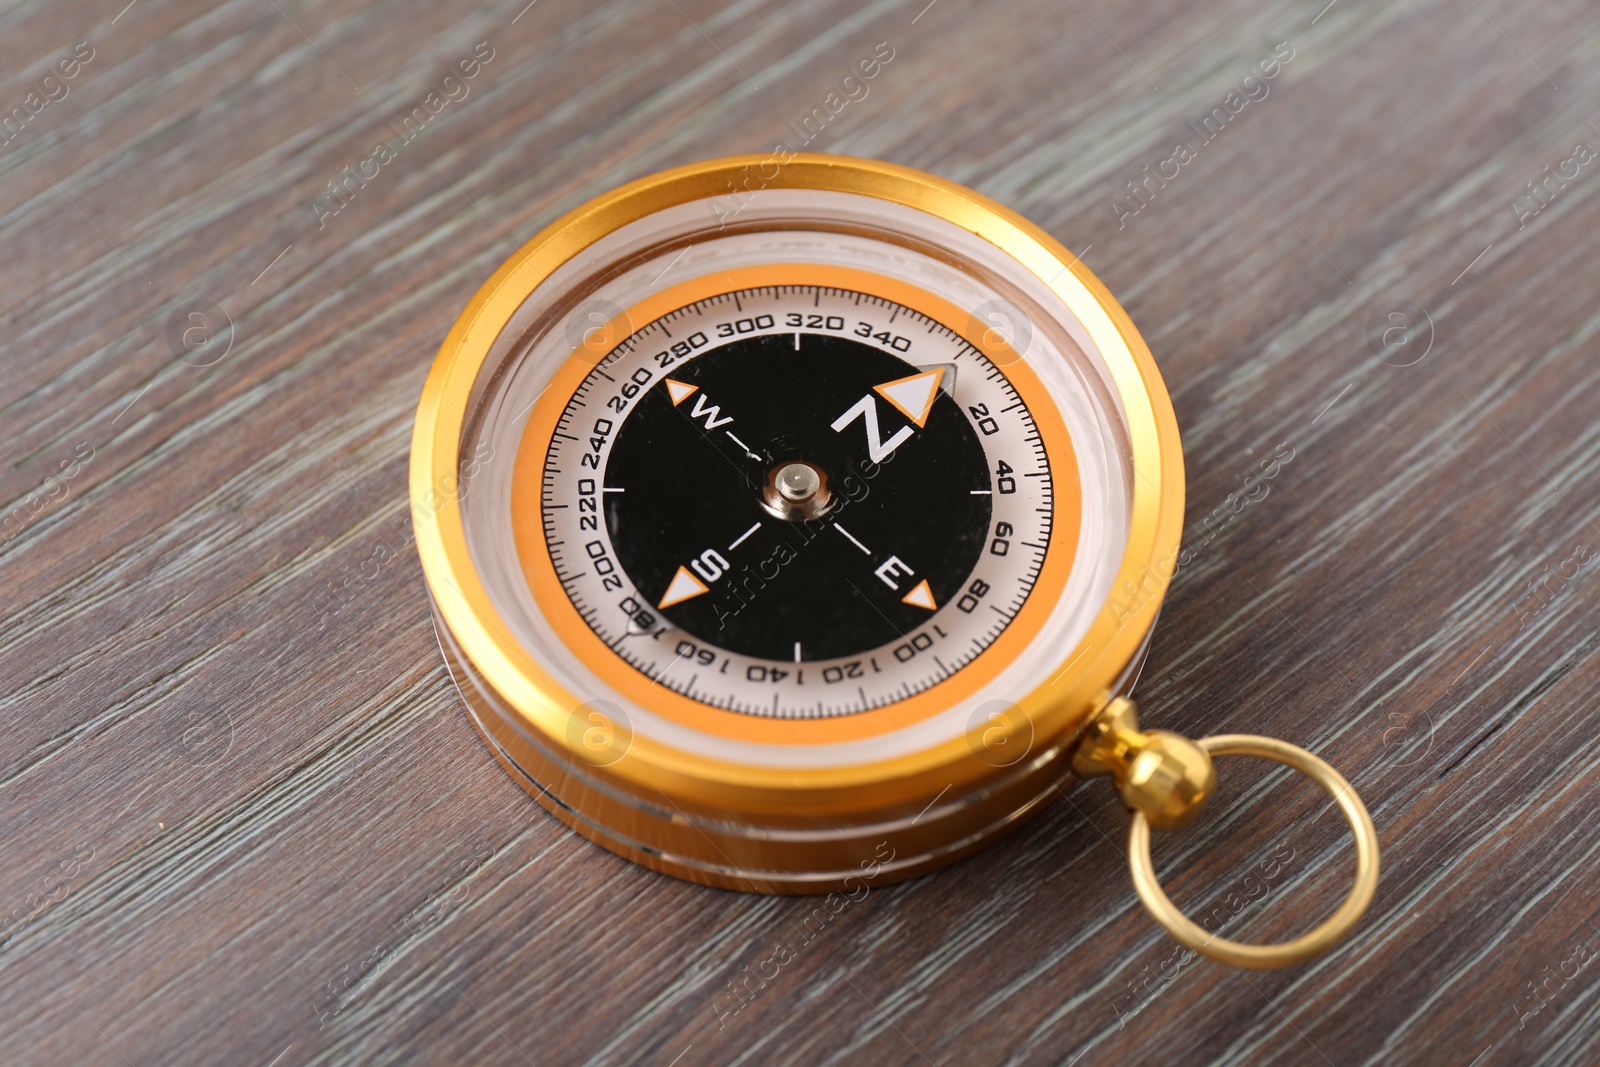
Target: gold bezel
[(1057, 709)]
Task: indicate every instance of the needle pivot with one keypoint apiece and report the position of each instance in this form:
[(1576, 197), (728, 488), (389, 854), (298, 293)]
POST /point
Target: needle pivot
[(797, 482), (796, 491)]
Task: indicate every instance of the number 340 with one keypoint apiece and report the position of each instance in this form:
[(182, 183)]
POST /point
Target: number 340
[(884, 337)]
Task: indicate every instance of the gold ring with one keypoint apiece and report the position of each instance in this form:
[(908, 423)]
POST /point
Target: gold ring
[(1261, 957)]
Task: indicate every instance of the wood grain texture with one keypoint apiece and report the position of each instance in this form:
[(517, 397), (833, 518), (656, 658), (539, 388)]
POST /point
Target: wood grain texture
[(234, 771)]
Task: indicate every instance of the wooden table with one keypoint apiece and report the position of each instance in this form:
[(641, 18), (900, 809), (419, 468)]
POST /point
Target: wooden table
[(236, 777)]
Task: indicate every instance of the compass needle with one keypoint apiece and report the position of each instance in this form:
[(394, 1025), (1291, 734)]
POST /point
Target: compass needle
[(912, 395), (920, 596), (684, 586)]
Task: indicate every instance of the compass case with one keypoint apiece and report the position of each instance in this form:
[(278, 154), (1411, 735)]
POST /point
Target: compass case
[(625, 717)]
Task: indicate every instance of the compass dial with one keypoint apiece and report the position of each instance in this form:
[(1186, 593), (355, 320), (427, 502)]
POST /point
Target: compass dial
[(795, 500)]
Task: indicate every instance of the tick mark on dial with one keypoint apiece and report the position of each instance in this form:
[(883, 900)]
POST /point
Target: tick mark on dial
[(742, 445), (743, 536), (865, 550)]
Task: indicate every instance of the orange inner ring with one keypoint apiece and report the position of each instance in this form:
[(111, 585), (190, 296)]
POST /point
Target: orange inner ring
[(528, 519)]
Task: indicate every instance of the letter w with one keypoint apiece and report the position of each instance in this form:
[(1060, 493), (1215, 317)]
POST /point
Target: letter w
[(877, 447), (710, 411)]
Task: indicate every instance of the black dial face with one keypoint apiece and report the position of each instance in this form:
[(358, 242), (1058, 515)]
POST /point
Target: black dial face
[(797, 501), (813, 582)]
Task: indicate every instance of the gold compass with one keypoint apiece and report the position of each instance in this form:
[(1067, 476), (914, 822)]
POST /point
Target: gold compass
[(799, 524)]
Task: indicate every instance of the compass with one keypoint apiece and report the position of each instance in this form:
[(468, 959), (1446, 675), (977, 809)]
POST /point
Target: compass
[(799, 525)]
